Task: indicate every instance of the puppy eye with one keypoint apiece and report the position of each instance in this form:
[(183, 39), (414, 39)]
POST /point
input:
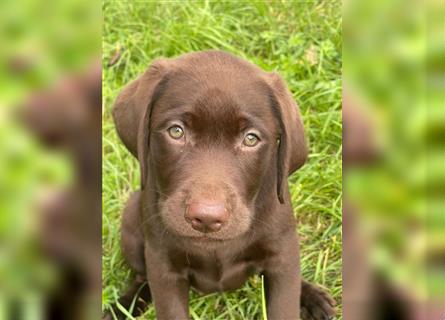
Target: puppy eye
[(251, 140), (176, 132)]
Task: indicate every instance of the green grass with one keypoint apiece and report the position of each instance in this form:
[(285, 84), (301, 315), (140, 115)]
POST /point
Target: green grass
[(300, 40)]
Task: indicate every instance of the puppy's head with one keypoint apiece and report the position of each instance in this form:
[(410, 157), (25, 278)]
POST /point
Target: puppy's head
[(67, 114), (214, 134)]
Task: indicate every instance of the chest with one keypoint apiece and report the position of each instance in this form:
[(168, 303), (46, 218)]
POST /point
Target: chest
[(214, 272), (220, 276)]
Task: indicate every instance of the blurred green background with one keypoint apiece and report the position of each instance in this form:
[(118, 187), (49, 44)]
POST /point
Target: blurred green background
[(300, 40), (394, 68), (41, 42)]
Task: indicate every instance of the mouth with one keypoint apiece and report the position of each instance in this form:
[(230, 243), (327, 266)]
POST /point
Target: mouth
[(204, 239)]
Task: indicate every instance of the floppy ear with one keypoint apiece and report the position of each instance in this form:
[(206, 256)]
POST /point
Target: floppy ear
[(292, 147), (132, 110)]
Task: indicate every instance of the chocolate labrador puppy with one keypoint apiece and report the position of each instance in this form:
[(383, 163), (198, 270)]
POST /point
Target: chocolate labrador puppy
[(216, 138)]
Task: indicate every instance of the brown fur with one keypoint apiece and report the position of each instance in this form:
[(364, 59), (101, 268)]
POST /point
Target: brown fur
[(217, 99)]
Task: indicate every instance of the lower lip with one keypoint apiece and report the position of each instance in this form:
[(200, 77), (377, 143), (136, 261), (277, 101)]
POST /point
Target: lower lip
[(204, 239)]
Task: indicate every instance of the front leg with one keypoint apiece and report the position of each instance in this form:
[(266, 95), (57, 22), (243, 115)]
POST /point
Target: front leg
[(170, 291), (283, 283)]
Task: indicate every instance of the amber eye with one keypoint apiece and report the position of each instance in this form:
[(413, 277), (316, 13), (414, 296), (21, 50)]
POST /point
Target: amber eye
[(251, 140), (176, 132)]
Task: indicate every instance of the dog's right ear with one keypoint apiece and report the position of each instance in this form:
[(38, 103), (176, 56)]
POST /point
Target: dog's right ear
[(133, 101), (132, 111)]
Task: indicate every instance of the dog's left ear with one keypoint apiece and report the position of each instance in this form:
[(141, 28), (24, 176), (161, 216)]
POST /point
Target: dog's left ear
[(292, 146)]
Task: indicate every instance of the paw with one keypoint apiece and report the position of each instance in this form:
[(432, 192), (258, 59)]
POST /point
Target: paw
[(316, 304)]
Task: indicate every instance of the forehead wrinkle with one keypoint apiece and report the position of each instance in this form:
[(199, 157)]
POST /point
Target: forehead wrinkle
[(166, 114), (229, 107), (216, 110), (254, 121)]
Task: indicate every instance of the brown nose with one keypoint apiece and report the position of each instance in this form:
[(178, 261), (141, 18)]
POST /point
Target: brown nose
[(206, 217)]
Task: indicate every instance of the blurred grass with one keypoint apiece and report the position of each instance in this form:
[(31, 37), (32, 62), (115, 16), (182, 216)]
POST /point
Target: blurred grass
[(300, 40), (393, 53), (43, 44), (40, 43)]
